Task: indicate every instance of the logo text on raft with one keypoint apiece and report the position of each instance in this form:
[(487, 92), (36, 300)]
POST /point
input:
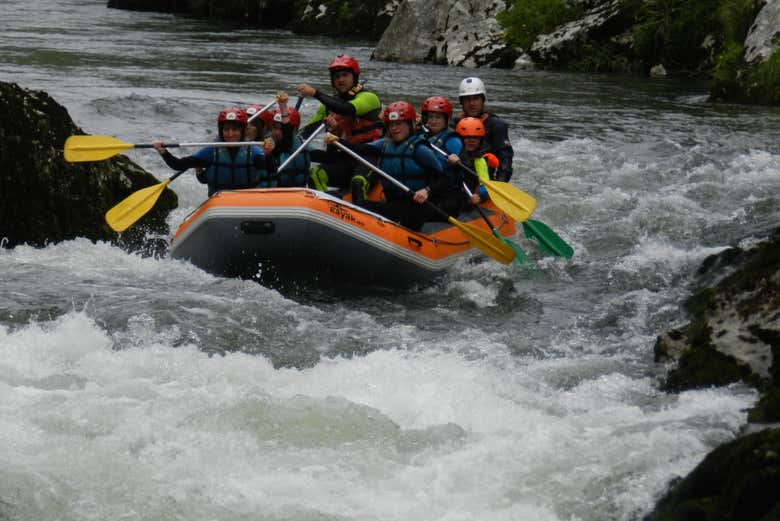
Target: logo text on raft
[(344, 214)]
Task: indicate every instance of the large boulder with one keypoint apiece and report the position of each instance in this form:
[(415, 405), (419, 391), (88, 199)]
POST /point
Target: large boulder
[(735, 331), (747, 73), (460, 32), (45, 199), (604, 22), (762, 39), (737, 481), (734, 336), (343, 18)]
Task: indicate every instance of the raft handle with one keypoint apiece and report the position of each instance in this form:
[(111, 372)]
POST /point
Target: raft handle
[(257, 227), (416, 242)]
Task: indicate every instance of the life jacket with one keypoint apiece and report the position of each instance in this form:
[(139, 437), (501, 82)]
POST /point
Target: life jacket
[(453, 172), (297, 171), (364, 129), (230, 173), (360, 129), (397, 159)]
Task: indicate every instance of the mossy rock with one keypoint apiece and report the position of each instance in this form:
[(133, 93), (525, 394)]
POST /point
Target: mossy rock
[(342, 18), (44, 199), (737, 481), (703, 366)]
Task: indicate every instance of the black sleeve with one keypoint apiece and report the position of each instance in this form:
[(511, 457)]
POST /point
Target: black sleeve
[(362, 149), (285, 145), (184, 163), (501, 147), (307, 130), (336, 104), (265, 162)]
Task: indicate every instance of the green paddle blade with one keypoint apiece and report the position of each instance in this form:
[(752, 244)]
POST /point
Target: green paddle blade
[(133, 207), (93, 148), (516, 203), (520, 256), (548, 240), (486, 242)]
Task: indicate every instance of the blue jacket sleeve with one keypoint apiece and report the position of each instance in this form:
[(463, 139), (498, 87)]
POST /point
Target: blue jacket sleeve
[(425, 157)]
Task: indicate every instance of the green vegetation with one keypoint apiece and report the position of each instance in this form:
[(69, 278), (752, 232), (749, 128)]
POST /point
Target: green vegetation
[(702, 38), (764, 81), (524, 20), (688, 36)]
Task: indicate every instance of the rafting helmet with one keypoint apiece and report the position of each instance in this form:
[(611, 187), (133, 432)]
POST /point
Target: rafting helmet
[(472, 86), (263, 118), (232, 115), (399, 111), (276, 117), (470, 127), (437, 104), (344, 62)]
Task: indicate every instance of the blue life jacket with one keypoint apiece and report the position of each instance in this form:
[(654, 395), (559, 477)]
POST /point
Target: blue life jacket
[(453, 172), (296, 173), (397, 159), (231, 173)]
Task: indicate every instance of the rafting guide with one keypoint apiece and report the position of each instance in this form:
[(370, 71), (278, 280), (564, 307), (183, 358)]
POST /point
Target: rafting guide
[(353, 115)]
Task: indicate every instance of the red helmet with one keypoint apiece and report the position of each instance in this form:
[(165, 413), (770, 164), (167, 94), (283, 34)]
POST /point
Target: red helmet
[(342, 61), (399, 111), (276, 117), (234, 114), (264, 117), (470, 127), (437, 104)]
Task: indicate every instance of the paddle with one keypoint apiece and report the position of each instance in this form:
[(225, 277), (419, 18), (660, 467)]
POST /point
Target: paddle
[(263, 109), (516, 203), (300, 148), (136, 205), (520, 256), (478, 238), (548, 240), (96, 148)]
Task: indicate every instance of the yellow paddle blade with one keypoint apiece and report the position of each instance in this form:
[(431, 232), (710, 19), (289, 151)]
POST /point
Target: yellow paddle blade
[(134, 206), (93, 148), (483, 240), (516, 203)]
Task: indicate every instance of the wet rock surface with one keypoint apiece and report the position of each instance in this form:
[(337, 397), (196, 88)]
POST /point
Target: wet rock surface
[(44, 199)]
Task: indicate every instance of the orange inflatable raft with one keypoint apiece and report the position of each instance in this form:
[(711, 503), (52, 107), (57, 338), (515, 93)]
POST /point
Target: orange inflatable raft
[(258, 232)]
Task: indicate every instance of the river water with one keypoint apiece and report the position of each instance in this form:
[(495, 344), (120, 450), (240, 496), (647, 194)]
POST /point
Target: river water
[(142, 388)]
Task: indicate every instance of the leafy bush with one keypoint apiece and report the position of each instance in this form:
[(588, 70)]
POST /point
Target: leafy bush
[(765, 80), (524, 20), (728, 63)]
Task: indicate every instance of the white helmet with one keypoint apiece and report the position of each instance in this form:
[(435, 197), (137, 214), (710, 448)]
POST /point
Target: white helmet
[(471, 87)]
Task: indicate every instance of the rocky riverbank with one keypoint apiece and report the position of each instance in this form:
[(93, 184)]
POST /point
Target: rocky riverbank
[(347, 19), (731, 42), (734, 336), (44, 199)]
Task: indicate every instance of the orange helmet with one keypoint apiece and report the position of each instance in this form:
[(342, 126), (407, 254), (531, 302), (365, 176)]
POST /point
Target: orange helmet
[(437, 104), (470, 127), (399, 111), (276, 117)]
